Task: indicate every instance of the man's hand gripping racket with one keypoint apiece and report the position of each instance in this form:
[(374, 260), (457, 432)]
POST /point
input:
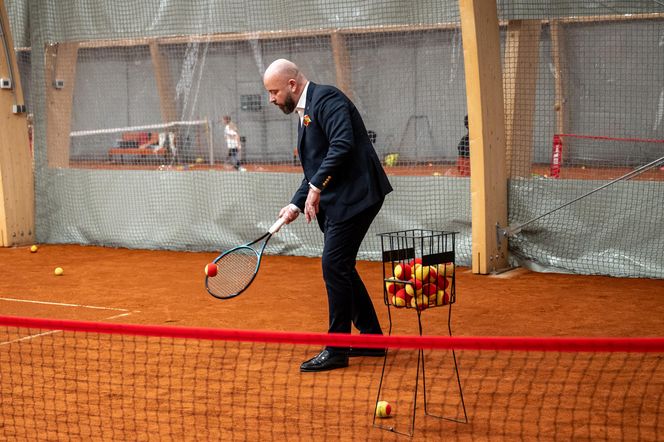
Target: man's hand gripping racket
[(236, 268)]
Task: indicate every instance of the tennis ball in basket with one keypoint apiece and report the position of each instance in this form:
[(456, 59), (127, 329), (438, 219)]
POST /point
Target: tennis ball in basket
[(442, 298), (429, 289), (414, 288), (420, 302), (59, 271), (442, 282), (33, 249), (424, 273), (383, 409), (402, 271), (400, 298), (446, 269), (211, 269), (392, 286)]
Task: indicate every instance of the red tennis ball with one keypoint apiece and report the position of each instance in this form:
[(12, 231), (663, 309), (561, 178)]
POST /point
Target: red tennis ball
[(429, 289), (401, 298), (392, 286), (402, 271), (443, 283), (414, 288), (442, 298), (211, 269)]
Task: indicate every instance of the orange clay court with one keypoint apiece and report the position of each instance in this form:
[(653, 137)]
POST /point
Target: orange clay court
[(167, 288)]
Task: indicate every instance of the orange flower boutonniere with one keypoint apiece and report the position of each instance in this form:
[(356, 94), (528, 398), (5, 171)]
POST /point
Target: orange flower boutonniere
[(306, 120)]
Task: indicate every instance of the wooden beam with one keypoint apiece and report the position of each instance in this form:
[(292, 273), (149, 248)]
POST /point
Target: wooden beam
[(612, 17), (558, 56), (520, 71), (380, 29), (165, 84), (484, 92), (342, 63), (60, 65), (17, 199), (265, 35)]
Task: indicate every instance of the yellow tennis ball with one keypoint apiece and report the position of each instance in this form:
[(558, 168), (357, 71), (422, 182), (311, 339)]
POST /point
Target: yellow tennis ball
[(33, 249), (420, 302), (59, 271), (383, 409)]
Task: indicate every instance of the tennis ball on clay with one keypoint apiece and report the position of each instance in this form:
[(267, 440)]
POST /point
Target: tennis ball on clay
[(59, 271), (33, 249), (211, 269), (383, 409)]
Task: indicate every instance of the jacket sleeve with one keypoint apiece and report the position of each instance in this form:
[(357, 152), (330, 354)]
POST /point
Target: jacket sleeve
[(300, 196)]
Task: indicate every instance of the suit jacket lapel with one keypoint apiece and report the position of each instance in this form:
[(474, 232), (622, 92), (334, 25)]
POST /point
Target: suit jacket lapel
[(300, 131), (300, 127)]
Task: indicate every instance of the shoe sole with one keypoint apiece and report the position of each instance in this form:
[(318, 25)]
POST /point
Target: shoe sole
[(311, 370)]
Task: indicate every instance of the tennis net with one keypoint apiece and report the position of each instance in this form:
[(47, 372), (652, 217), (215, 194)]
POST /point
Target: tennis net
[(70, 380)]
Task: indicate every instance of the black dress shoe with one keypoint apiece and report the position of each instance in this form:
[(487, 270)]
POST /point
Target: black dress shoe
[(325, 360), (373, 352)]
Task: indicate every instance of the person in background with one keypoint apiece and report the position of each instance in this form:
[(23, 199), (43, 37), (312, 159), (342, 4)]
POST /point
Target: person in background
[(463, 158), (233, 142)]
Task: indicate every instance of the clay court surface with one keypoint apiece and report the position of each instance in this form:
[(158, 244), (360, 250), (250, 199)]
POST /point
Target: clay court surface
[(167, 288), (163, 287)]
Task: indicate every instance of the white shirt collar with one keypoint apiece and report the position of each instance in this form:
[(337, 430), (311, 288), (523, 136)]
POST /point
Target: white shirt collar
[(302, 102)]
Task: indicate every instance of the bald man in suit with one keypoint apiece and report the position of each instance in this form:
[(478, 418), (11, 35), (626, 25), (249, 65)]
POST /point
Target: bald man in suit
[(344, 187)]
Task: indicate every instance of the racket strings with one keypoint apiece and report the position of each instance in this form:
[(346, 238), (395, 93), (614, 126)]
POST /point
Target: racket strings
[(235, 271)]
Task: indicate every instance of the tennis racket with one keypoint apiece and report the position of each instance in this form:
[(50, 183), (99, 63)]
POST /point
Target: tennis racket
[(237, 267)]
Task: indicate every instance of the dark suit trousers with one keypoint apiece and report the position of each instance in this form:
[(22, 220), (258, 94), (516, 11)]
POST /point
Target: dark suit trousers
[(348, 299)]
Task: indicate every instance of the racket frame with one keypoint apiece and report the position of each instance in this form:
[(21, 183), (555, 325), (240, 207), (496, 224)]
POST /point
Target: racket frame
[(259, 255)]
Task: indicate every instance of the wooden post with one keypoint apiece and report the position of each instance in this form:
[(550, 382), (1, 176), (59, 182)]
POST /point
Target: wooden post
[(558, 54), (484, 90), (164, 84), (520, 83), (60, 66), (341, 63), (17, 198)]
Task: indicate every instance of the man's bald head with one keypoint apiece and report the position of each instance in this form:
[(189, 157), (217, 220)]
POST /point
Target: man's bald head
[(285, 83)]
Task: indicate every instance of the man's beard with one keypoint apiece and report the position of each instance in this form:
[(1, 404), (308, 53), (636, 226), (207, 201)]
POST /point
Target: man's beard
[(289, 105)]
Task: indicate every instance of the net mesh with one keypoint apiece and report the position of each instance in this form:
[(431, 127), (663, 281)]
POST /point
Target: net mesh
[(67, 379), (575, 68)]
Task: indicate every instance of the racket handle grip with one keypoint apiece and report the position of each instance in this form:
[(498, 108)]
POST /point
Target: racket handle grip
[(277, 225)]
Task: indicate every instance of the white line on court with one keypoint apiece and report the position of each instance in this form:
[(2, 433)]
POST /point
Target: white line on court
[(62, 304)]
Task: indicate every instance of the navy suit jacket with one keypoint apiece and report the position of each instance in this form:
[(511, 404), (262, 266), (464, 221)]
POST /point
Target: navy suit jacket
[(337, 156)]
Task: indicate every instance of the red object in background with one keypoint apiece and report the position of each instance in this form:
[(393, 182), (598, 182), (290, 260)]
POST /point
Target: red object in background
[(557, 156)]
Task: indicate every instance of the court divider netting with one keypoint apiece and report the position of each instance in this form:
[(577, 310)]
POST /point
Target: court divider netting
[(72, 379)]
